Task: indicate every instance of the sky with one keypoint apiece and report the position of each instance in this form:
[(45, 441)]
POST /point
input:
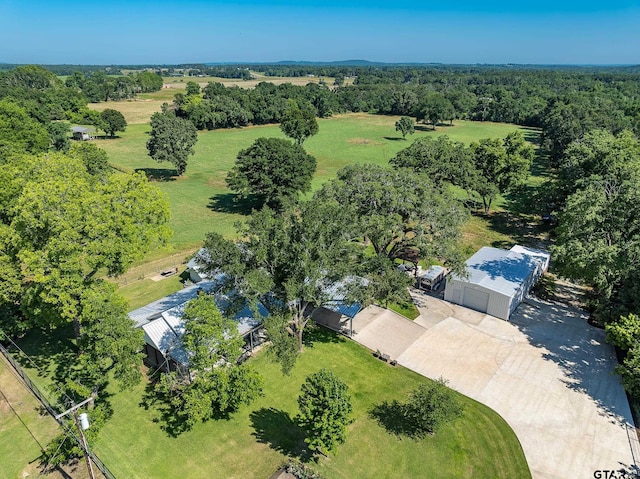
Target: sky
[(424, 31)]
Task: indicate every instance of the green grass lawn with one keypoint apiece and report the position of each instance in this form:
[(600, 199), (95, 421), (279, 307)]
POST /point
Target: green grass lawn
[(200, 201), (142, 292), (256, 440), (23, 430)]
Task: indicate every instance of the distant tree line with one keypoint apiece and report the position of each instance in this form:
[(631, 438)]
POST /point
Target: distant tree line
[(98, 86), (222, 107), (242, 73)]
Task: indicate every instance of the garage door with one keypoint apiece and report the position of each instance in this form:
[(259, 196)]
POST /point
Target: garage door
[(477, 300)]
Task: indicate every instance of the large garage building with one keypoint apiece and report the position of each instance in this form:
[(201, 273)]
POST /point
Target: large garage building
[(498, 280)]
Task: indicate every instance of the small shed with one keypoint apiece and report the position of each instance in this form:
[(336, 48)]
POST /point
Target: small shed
[(497, 280), (195, 268), (81, 133)]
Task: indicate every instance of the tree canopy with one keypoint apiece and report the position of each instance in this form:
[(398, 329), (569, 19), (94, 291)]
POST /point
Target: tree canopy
[(398, 211), (94, 159), (434, 107), (218, 385), (502, 165), (19, 132), (429, 407), (66, 226), (598, 226), (273, 170), (405, 126), (171, 139), (294, 256), (113, 121), (325, 410), (441, 159), (299, 121)]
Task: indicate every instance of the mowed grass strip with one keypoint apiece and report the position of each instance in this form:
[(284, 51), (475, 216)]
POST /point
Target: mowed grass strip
[(200, 200), (257, 439), (23, 430)]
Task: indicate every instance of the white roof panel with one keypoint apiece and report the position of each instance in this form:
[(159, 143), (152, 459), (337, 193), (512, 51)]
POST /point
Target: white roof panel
[(501, 270), (433, 272)]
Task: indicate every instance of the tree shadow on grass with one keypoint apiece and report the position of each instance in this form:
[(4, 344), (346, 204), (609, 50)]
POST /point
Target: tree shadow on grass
[(50, 352), (233, 203), (171, 423), (159, 174), (532, 135), (315, 333), (394, 138), (277, 429), (390, 416), (526, 230)]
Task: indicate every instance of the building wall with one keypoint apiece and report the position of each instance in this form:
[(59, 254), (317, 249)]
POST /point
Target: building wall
[(153, 358), (499, 305)]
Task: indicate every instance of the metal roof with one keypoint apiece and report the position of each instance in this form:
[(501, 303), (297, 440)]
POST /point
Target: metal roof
[(543, 256), (153, 310), (432, 273), (163, 325), (337, 294), (501, 270), (348, 310), (245, 317), (165, 334), (81, 129), (196, 265)]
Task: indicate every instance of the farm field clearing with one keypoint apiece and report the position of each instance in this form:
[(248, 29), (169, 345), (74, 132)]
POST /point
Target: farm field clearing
[(200, 200)]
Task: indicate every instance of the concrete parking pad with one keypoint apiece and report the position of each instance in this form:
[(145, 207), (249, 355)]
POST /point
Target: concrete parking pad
[(546, 372), (386, 331)]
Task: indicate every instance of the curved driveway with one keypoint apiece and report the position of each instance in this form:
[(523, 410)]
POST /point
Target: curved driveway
[(546, 372)]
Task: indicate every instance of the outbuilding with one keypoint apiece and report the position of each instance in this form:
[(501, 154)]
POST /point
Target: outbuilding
[(497, 280), (82, 133)]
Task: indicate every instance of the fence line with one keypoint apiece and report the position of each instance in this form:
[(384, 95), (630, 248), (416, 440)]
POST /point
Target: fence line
[(30, 385)]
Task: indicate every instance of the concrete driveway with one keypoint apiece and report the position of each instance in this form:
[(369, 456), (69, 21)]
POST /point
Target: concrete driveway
[(546, 372)]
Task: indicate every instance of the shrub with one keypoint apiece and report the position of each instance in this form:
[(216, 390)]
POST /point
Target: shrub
[(430, 406)]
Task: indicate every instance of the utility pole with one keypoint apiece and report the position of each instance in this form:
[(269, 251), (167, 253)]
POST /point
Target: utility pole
[(82, 423)]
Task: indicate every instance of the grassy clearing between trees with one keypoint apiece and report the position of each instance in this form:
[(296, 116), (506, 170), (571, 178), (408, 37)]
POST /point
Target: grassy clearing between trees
[(200, 200), (257, 439)]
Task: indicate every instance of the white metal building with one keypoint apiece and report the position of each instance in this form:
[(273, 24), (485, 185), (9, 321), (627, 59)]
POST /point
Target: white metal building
[(498, 280)]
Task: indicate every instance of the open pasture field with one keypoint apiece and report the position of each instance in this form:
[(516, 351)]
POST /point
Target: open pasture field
[(200, 200), (255, 441), (181, 82)]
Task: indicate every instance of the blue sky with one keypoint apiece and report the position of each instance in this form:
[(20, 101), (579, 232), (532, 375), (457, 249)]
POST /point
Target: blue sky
[(459, 31)]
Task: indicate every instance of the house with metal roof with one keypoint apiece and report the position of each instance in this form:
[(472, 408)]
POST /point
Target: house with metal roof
[(163, 326), (497, 280)]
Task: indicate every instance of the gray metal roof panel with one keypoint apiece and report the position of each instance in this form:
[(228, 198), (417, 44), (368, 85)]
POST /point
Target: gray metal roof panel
[(153, 310), (499, 270)]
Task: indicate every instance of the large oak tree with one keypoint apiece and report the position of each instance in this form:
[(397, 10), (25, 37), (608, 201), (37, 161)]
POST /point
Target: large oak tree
[(273, 170), (171, 139)]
